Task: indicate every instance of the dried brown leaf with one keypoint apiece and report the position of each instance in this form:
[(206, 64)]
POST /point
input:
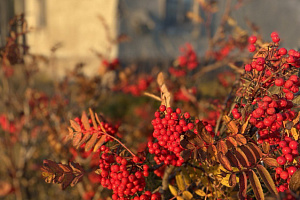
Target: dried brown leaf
[(243, 186), (256, 186), (206, 136), (266, 147), (232, 180), (242, 157), (222, 147), (249, 154), (256, 150), (267, 179), (240, 139), (231, 142), (231, 125), (294, 184), (233, 160), (224, 161), (166, 96), (271, 162)]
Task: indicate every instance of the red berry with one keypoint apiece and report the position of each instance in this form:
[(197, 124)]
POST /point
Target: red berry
[(293, 145), (291, 170), (162, 108), (251, 48), (281, 160), (252, 39), (286, 150), (187, 115), (289, 157), (282, 51), (279, 82), (284, 175)]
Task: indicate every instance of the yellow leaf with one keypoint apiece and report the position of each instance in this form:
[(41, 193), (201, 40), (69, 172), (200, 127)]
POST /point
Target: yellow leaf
[(187, 195), (295, 134), (226, 179), (180, 182), (173, 190), (200, 192), (179, 198)]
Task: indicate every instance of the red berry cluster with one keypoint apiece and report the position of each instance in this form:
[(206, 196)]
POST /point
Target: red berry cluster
[(268, 117), (168, 126), (138, 88), (289, 151), (185, 62)]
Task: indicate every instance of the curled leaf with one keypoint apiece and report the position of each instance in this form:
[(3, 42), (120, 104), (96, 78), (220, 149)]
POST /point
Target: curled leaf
[(243, 186), (222, 147), (224, 161), (271, 162)]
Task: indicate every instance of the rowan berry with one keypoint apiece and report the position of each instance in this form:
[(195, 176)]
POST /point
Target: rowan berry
[(281, 160), (251, 48), (252, 39), (284, 175), (293, 145)]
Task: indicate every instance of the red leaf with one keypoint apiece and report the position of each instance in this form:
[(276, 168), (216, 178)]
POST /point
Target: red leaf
[(243, 186)]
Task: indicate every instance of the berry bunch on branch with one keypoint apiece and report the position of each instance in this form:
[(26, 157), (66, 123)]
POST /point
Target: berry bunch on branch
[(250, 152)]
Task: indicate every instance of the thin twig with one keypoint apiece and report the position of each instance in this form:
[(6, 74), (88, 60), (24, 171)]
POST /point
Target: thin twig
[(152, 96)]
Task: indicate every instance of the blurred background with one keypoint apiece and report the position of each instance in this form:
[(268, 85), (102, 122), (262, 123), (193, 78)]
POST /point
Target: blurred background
[(107, 54), (153, 31)]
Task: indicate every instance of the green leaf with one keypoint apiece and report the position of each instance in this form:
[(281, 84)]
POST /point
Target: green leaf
[(186, 176)]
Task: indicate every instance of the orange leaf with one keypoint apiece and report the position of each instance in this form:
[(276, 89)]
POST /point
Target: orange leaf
[(91, 142), (222, 147), (224, 161), (85, 121), (267, 179), (231, 125), (240, 139), (271, 162), (99, 143), (75, 126)]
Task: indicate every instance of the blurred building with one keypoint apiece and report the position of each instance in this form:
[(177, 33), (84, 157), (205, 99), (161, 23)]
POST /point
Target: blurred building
[(70, 31)]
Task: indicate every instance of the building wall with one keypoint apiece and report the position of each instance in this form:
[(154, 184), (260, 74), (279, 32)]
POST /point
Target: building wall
[(75, 28)]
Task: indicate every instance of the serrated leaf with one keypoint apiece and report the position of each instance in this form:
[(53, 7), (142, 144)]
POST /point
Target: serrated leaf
[(93, 119), (90, 144), (256, 150), (267, 179), (180, 181), (75, 126), (224, 161), (294, 184), (99, 143), (240, 139), (222, 147), (266, 147), (85, 121), (173, 190), (187, 195), (271, 162), (231, 125), (243, 186), (85, 138), (76, 139), (200, 192)]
